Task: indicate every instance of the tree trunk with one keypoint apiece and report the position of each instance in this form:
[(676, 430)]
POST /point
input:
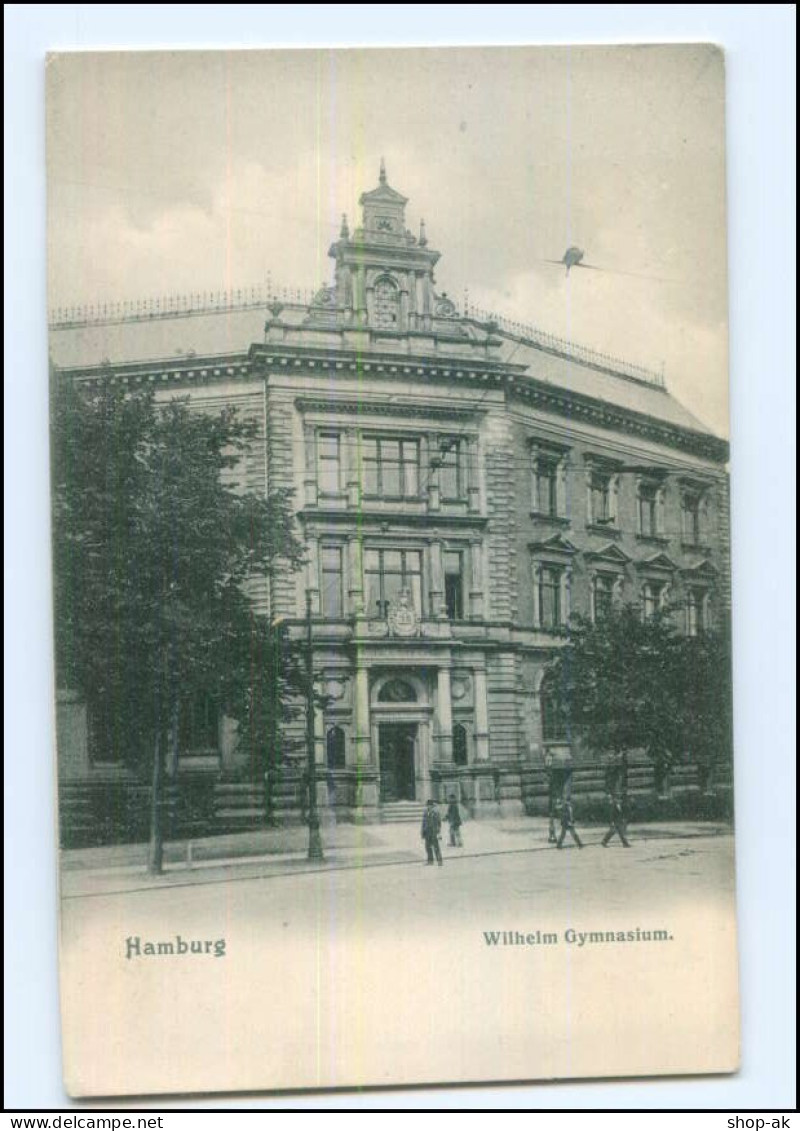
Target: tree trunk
[(270, 762), (172, 750), (155, 854)]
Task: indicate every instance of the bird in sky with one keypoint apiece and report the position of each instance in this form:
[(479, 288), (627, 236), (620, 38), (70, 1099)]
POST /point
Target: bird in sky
[(573, 257)]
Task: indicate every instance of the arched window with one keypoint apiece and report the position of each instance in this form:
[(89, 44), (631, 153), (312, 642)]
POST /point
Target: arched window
[(334, 745), (554, 715), (459, 745), (397, 691), (387, 305)]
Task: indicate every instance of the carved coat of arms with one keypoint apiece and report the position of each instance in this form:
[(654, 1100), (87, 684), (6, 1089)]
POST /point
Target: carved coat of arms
[(402, 617)]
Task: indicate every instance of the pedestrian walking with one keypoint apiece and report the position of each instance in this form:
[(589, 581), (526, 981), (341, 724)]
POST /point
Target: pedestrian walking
[(453, 819), (431, 831), (568, 825), (617, 825)]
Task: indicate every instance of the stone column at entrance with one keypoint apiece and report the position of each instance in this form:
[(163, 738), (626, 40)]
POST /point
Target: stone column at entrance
[(481, 717), (367, 779), (363, 753), (319, 736), (444, 718)]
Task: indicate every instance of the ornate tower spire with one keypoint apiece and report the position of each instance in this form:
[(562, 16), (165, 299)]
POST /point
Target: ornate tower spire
[(423, 239), (382, 177), (345, 230)]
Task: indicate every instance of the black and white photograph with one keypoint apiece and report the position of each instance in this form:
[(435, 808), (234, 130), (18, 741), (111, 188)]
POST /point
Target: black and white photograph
[(391, 549)]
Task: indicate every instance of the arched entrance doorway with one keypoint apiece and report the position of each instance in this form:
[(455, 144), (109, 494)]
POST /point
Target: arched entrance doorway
[(400, 715), (396, 759)]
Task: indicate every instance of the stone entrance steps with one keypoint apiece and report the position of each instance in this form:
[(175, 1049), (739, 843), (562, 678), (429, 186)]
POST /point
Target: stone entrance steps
[(402, 812)]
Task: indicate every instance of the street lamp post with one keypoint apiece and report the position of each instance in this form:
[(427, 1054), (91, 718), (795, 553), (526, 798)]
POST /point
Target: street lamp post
[(314, 839)]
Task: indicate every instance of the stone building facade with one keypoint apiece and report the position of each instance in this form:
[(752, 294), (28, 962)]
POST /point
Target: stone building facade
[(463, 484)]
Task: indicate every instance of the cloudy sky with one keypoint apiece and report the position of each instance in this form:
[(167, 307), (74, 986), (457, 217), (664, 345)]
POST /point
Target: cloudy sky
[(188, 171)]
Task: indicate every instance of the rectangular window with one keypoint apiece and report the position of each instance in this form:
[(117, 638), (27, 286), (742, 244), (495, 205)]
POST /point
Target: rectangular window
[(695, 602), (652, 593), (648, 510), (603, 595), (550, 612), (329, 463), (390, 468), (452, 477), (332, 587), (387, 573), (198, 725), (546, 477), (554, 715), (691, 518), (601, 498), (454, 584)]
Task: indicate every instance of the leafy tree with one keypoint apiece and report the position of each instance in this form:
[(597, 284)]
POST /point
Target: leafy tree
[(625, 686), (706, 705), (155, 553)]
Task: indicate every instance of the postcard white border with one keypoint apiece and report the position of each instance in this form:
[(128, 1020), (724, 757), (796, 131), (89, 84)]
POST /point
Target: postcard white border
[(759, 44)]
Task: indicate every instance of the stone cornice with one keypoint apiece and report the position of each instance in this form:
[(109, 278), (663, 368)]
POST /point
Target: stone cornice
[(484, 373), (578, 406), (194, 370), (388, 408), (281, 357)]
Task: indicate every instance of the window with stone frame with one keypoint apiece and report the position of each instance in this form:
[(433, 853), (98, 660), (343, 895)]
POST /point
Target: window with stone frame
[(335, 748), (387, 572), (602, 509), (548, 479), (553, 707), (649, 503), (604, 587), (460, 755), (390, 467), (453, 562), (691, 516), (551, 605), (452, 470), (198, 725), (332, 581), (545, 484), (329, 463), (697, 602), (653, 598), (387, 305)]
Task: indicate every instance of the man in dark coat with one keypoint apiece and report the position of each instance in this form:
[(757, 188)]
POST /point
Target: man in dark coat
[(568, 825), (453, 819), (617, 825), (431, 831)]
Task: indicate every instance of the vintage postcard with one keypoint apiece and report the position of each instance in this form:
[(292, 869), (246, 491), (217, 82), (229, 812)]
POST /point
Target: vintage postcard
[(391, 557)]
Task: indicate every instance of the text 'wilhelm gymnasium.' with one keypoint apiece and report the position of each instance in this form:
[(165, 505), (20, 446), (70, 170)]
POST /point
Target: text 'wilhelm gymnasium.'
[(463, 485)]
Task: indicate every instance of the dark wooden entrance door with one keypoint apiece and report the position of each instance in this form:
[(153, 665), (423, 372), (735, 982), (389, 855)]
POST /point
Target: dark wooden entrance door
[(396, 754)]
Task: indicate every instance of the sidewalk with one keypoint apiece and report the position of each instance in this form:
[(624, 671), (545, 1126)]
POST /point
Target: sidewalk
[(270, 853)]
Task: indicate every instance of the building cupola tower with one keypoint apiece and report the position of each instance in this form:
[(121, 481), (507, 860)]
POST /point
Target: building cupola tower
[(384, 274)]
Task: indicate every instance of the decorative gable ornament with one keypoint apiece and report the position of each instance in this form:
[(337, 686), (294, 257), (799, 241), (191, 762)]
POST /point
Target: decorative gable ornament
[(611, 554), (659, 562), (703, 570), (558, 545)]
